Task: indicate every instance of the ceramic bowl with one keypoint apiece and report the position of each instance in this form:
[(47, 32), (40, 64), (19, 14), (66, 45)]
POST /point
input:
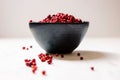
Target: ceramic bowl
[(59, 37)]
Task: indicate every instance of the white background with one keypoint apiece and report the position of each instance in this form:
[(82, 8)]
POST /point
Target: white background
[(103, 15)]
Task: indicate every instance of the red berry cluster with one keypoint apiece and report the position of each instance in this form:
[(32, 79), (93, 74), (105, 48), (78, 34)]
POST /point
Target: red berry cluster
[(60, 18), (45, 57), (31, 63), (26, 48)]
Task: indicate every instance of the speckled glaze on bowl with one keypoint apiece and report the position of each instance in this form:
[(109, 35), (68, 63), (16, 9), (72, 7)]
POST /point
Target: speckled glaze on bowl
[(59, 37)]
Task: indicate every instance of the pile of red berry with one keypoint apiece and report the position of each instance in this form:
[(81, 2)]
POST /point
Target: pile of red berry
[(45, 57), (32, 64), (61, 18)]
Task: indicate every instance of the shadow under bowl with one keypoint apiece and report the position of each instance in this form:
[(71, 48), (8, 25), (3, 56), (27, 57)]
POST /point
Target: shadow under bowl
[(59, 37)]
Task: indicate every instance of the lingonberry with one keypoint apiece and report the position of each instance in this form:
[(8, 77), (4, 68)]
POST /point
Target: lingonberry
[(23, 48), (49, 61), (78, 54), (62, 56), (92, 68), (34, 68), (30, 46), (31, 64), (60, 18), (81, 58), (30, 21), (27, 48), (56, 54), (44, 72)]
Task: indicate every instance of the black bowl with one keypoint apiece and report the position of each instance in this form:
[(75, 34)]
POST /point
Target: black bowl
[(59, 37)]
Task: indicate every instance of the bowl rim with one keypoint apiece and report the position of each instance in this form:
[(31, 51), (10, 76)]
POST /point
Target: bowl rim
[(85, 22)]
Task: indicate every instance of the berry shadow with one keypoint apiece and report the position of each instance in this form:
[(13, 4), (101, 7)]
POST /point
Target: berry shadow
[(87, 55)]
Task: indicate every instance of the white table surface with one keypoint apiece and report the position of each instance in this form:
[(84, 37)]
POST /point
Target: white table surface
[(102, 53)]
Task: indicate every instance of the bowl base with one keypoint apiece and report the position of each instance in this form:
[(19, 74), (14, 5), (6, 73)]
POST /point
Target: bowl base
[(64, 52)]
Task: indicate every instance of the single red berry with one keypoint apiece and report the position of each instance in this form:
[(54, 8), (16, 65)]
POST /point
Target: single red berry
[(47, 54), (56, 54), (50, 57), (62, 56), (81, 58), (47, 57), (27, 48), (30, 21), (40, 55), (23, 48), (50, 61), (30, 46), (29, 64), (78, 54), (49, 16), (26, 60), (34, 63), (34, 69), (92, 68), (43, 59), (33, 60), (44, 72), (80, 21)]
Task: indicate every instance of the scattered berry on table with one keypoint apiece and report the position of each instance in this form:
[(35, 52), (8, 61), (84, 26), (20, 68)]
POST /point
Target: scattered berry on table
[(81, 58), (62, 56), (78, 54)]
